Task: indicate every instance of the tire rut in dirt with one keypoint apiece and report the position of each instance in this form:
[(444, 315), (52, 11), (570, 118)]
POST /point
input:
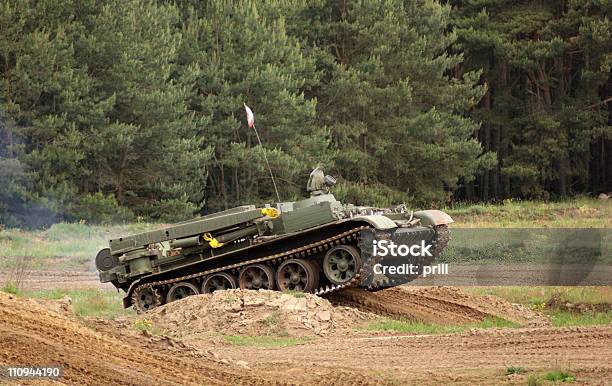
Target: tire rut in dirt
[(398, 303)]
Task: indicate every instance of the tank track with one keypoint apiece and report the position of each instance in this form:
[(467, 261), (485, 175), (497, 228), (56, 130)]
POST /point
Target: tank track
[(306, 250), (442, 239)]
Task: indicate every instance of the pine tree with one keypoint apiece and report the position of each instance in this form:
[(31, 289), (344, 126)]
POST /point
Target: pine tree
[(147, 151), (100, 108), (546, 65), (44, 93), (398, 120), (244, 55)]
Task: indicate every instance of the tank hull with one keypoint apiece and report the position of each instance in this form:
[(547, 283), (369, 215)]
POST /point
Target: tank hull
[(316, 245)]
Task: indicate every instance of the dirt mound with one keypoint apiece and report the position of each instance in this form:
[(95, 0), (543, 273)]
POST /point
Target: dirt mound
[(31, 334), (247, 312), (442, 305)]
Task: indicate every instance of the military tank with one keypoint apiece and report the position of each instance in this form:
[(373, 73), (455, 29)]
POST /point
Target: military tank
[(316, 245)]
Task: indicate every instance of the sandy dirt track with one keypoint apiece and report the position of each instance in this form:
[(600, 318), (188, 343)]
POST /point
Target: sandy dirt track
[(30, 334), (478, 357), (96, 351), (474, 357)]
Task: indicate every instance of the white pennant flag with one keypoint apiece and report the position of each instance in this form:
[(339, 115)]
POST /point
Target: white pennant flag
[(250, 116)]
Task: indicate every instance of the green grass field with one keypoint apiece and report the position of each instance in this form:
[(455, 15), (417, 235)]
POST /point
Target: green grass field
[(575, 213), (538, 295), (529, 245), (63, 246), (87, 303), (73, 246), (537, 298), (264, 341), (415, 327)]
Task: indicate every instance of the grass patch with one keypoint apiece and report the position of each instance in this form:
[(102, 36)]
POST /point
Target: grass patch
[(495, 322), (538, 295), (91, 303), (64, 246), (533, 380), (230, 299), (295, 294), (272, 320), (515, 370), (10, 288), (577, 212), (411, 326), (565, 319), (274, 326), (553, 376), (559, 376), (264, 341), (416, 327)]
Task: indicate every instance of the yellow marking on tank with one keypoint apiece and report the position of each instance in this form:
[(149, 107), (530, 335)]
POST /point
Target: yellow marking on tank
[(270, 212), (214, 243)]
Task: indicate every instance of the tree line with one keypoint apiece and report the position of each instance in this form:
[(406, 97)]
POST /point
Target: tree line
[(115, 110)]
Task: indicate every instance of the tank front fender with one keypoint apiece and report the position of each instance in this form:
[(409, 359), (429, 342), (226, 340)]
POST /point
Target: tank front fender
[(377, 221), (433, 217)]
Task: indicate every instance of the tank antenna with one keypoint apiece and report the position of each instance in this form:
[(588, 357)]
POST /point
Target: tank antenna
[(251, 123)]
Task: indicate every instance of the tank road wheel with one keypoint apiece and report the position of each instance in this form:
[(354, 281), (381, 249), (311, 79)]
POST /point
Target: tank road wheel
[(297, 275), (145, 299), (181, 290), (341, 264), (218, 282), (256, 276)]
